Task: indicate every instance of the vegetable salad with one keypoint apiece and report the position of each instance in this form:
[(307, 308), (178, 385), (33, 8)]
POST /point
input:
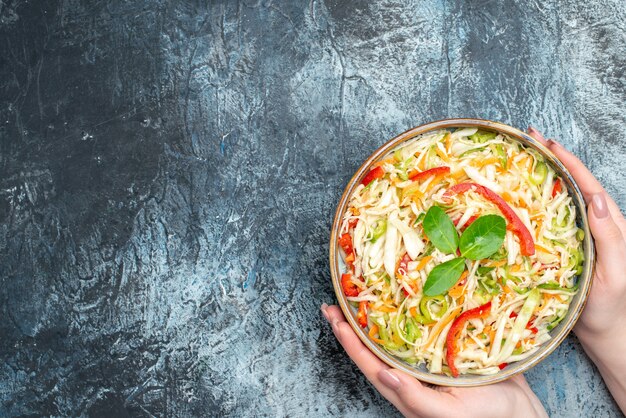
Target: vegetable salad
[(461, 250)]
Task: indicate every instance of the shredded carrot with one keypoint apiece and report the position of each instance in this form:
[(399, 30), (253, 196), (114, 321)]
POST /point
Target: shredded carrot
[(433, 183), (423, 262), (383, 162), (542, 248), (492, 263), (386, 309), (516, 268), (457, 290), (441, 154), (457, 175), (448, 142), (484, 162), (372, 334), (522, 204), (413, 311), (416, 194), (439, 326), (507, 197), (421, 164)]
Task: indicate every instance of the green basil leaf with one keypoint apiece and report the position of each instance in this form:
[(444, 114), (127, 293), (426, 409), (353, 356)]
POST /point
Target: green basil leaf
[(440, 230), (444, 276), (483, 237)]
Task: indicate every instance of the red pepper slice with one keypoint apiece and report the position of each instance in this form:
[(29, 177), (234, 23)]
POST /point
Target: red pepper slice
[(456, 328), (502, 365), (403, 269), (361, 315), (558, 186), (352, 223), (423, 175), (527, 245), (348, 286), (345, 242), (375, 173)]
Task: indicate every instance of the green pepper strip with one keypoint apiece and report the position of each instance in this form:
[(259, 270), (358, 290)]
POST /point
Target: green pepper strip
[(412, 330), (539, 174), (425, 302), (502, 154), (379, 230)]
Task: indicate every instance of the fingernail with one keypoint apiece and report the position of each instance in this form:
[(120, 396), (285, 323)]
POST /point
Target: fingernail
[(324, 306), (336, 329), (532, 130), (600, 209), (388, 379)]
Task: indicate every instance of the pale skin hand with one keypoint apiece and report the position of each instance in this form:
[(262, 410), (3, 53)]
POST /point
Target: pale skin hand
[(600, 328)]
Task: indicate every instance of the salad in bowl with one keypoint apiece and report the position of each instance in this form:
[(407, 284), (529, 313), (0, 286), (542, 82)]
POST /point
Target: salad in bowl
[(460, 250)]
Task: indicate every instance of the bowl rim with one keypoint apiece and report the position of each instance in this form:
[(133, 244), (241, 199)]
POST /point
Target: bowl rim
[(585, 278)]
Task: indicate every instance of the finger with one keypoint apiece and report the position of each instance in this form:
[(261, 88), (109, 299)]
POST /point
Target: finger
[(537, 135), (417, 398), (607, 234)]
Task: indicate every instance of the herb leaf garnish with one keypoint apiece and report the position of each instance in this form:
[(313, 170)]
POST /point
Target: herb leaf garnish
[(444, 276), (440, 230), (483, 237)]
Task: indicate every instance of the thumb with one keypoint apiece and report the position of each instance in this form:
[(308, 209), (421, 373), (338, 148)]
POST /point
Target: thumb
[(606, 233)]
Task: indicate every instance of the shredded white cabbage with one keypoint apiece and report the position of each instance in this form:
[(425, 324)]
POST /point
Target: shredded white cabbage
[(529, 293)]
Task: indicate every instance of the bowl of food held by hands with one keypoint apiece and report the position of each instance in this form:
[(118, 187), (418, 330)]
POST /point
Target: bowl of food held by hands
[(460, 252)]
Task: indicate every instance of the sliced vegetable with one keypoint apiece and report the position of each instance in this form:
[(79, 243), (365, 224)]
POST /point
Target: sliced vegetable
[(482, 136), (539, 174), (348, 286), (412, 330), (502, 154), (379, 230), (389, 257), (361, 315), (527, 244), (428, 303), (532, 301), (558, 186), (455, 330), (437, 171), (345, 242), (376, 173)]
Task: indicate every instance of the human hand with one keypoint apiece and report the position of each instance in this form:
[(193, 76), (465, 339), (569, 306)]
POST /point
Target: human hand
[(511, 398), (605, 312), (601, 324)]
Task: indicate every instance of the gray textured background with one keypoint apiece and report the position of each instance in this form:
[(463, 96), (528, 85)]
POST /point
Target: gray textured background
[(168, 176)]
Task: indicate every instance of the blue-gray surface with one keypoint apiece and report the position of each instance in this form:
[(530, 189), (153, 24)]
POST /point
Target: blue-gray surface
[(168, 174)]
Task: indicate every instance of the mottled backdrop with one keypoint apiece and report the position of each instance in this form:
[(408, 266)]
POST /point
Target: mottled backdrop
[(168, 174)]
